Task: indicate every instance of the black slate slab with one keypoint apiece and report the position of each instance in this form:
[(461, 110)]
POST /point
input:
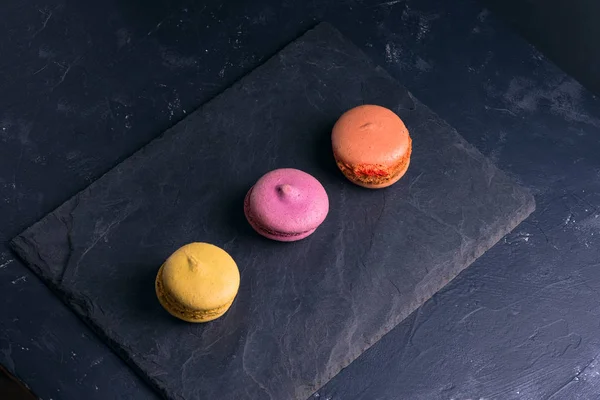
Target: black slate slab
[(305, 310)]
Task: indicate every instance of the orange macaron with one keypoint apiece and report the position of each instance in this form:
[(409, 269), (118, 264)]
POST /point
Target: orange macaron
[(371, 146)]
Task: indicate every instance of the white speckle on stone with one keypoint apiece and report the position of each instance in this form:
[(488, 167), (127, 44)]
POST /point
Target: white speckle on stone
[(564, 98), (392, 53), (423, 28), (128, 121), (96, 361), (173, 106)]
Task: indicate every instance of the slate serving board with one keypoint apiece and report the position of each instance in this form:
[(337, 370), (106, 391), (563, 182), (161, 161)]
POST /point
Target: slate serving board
[(307, 309)]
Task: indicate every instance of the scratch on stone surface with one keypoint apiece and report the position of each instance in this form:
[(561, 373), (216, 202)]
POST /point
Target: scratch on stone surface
[(6, 264), (502, 389), (374, 229), (414, 326), (40, 70), (67, 68), (575, 378), (537, 292), (389, 3), (378, 220), (436, 218), (21, 279), (463, 319), (504, 110), (583, 200), (102, 235), (315, 106), (535, 225), (47, 15), (157, 27), (150, 32), (248, 372), (396, 286), (537, 330), (192, 356), (415, 181), (288, 321)]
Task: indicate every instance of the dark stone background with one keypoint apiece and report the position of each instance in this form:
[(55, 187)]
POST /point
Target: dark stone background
[(567, 31)]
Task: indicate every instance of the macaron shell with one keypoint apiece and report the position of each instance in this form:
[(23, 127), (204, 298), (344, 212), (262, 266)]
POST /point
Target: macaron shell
[(178, 310), (201, 277), (370, 134), (269, 235), (289, 201)]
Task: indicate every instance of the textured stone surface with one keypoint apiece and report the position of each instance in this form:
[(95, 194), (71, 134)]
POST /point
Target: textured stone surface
[(305, 310)]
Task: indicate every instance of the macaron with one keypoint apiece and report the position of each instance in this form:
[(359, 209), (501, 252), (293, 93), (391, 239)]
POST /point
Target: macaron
[(371, 146), (198, 282), (286, 205)]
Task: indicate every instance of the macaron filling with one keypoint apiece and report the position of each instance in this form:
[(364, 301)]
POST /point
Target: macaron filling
[(374, 174), (173, 306)]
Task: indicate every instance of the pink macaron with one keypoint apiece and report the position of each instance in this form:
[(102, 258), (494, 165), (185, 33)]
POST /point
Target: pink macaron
[(286, 205)]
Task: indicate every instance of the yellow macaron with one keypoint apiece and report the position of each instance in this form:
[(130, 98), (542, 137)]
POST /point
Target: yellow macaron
[(198, 282)]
